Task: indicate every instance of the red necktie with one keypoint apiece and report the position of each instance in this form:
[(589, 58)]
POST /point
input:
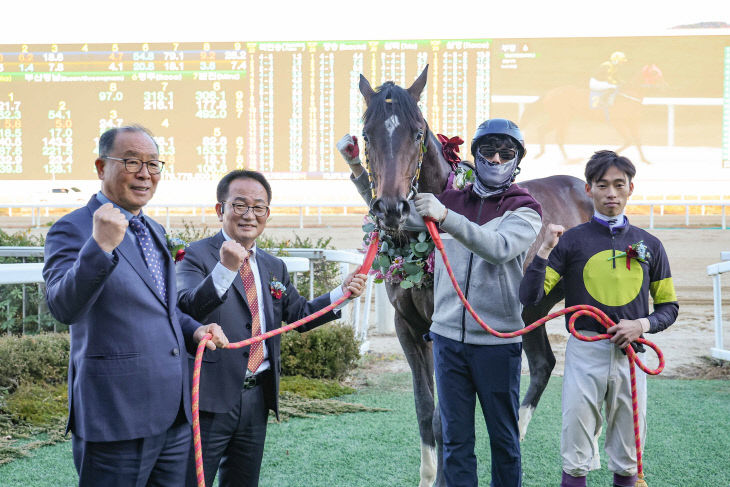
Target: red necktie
[(256, 352)]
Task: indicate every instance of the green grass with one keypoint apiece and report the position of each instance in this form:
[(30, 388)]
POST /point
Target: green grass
[(688, 443)]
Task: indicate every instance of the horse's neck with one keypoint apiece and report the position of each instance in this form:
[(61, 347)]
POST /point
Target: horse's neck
[(435, 169)]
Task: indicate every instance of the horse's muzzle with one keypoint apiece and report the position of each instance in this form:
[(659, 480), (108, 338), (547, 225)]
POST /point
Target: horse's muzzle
[(391, 211)]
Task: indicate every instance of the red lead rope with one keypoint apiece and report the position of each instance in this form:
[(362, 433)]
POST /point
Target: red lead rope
[(577, 311), (197, 445)]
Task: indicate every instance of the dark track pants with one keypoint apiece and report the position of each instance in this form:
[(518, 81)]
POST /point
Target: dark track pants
[(491, 372)]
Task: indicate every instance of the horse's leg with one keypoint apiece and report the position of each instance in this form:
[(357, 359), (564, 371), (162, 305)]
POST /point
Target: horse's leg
[(420, 359), (560, 139), (440, 480), (540, 357)]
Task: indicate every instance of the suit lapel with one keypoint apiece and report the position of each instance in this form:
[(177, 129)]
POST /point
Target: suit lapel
[(129, 250)]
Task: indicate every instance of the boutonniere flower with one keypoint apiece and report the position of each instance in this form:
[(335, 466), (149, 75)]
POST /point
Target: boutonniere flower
[(176, 247), (277, 288), (636, 251)]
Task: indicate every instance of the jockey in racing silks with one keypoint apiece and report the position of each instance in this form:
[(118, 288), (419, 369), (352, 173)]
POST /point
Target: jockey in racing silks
[(606, 80), (614, 266), (487, 229)]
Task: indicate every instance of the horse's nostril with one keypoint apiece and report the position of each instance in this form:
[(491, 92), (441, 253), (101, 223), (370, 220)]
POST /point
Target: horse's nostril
[(404, 208), (378, 207)]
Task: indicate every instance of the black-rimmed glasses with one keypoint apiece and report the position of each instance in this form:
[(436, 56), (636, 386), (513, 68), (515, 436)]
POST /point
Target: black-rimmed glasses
[(241, 209), (134, 165)]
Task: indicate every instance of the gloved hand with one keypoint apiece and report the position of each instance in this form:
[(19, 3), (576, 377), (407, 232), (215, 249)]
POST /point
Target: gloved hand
[(347, 146), (427, 205)]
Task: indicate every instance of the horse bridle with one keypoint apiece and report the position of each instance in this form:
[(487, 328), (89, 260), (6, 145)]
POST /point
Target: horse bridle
[(413, 188)]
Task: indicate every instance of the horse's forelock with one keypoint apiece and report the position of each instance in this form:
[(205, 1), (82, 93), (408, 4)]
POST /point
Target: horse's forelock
[(400, 104)]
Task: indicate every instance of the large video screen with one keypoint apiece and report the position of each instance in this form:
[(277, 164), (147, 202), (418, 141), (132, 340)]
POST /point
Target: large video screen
[(281, 107), (275, 107)]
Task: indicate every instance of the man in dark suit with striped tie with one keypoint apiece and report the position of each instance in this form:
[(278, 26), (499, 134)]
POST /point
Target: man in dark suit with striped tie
[(110, 277), (228, 280)]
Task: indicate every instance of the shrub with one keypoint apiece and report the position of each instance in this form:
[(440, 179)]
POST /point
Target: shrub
[(313, 388), (328, 352), (192, 233), (39, 404), (12, 317), (33, 359), (326, 274)]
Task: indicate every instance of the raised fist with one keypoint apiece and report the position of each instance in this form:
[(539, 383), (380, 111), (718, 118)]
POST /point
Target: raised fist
[(109, 227), (347, 146), (233, 254)]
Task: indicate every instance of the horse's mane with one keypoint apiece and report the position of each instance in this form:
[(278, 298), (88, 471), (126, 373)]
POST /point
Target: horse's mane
[(401, 104)]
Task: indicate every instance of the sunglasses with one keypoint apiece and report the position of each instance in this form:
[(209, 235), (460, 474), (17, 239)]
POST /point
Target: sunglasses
[(504, 154)]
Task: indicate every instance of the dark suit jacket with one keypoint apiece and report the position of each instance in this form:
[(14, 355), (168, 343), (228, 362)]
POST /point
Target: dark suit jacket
[(223, 371), (127, 373)]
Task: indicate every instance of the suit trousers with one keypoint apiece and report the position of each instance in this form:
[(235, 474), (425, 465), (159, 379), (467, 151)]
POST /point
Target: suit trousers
[(492, 373), (233, 442), (158, 460)]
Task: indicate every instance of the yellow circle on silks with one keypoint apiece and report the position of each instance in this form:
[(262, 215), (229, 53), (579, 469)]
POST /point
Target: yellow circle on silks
[(609, 285)]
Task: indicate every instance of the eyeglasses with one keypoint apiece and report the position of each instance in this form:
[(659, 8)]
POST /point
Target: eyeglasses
[(504, 154), (240, 209), (134, 165)]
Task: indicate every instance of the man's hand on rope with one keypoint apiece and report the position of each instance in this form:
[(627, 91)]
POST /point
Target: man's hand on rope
[(627, 331), (427, 205), (219, 338), (355, 283)]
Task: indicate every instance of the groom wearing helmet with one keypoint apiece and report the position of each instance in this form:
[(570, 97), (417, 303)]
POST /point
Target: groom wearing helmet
[(487, 229)]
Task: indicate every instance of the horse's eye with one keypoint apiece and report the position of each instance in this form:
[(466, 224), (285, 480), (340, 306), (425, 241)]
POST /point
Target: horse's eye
[(419, 136)]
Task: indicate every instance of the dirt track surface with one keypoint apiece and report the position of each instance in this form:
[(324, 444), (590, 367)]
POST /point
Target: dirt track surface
[(686, 344)]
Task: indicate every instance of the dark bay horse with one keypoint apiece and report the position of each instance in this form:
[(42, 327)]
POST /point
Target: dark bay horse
[(565, 106), (394, 133)]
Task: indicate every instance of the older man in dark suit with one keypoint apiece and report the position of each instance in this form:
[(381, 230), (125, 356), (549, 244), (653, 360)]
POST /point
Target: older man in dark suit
[(228, 280), (110, 276)]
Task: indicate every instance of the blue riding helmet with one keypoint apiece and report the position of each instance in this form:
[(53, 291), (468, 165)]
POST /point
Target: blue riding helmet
[(499, 126)]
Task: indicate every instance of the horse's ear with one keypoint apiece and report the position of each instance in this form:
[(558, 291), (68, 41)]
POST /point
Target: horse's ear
[(417, 87), (366, 89)]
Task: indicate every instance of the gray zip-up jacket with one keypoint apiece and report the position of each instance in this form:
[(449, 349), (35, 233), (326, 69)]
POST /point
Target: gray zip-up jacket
[(486, 241)]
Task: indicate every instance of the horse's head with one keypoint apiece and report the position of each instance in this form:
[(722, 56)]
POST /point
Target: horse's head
[(394, 132)]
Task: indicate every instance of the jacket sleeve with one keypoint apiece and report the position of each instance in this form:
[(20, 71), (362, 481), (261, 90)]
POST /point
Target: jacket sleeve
[(362, 183), (542, 275), (515, 232), (661, 288), (75, 271), (196, 293)]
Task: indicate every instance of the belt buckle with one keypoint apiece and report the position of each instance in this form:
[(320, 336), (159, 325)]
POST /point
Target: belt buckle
[(250, 382)]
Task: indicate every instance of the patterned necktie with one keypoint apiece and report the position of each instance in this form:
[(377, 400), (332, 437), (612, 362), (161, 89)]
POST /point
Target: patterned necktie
[(256, 352), (150, 254)]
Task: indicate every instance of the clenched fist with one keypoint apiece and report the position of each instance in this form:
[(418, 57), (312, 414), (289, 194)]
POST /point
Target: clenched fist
[(347, 146), (553, 234), (109, 227), (232, 255)]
